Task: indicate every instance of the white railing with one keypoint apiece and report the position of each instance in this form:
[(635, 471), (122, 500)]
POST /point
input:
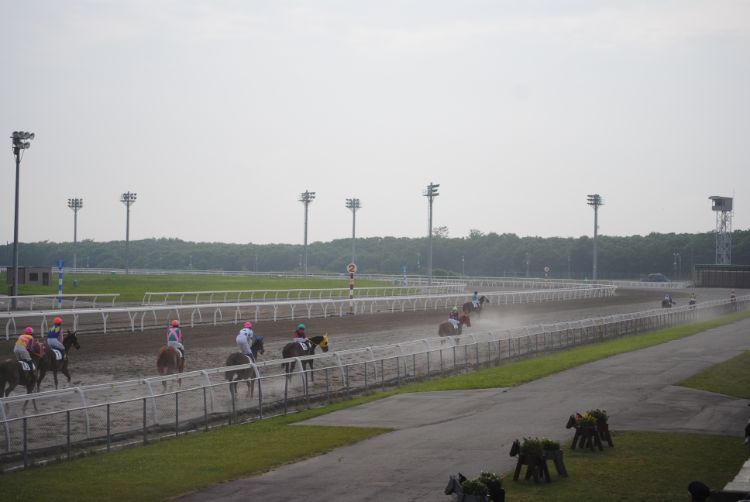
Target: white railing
[(64, 301), (140, 317), (261, 295)]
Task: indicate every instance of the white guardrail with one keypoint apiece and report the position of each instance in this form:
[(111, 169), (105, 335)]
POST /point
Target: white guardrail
[(123, 411), (64, 301), (134, 318)]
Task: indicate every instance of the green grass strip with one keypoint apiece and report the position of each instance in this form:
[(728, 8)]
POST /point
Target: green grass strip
[(168, 468), (731, 378), (641, 466)]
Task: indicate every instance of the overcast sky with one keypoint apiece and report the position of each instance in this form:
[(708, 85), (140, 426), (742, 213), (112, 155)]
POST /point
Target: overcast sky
[(218, 114)]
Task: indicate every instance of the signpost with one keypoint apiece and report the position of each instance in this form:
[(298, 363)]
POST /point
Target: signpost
[(60, 265), (351, 269)]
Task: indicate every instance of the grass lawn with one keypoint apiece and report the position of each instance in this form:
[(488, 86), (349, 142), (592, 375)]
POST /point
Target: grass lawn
[(731, 378), (132, 287), (640, 467)]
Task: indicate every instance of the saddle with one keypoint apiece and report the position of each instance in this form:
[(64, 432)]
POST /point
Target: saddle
[(25, 366)]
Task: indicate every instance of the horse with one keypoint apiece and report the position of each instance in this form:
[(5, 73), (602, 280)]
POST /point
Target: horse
[(12, 374), (49, 359), (169, 362), (447, 329), (295, 349), (667, 303), (469, 307), (237, 359)]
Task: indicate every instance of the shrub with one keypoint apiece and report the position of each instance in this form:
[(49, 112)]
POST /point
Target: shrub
[(531, 447), (600, 416), (550, 444)]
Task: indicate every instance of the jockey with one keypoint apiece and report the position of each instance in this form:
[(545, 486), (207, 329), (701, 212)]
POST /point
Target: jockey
[(55, 336), (245, 339), (453, 318), (732, 296), (475, 300), (23, 347), (174, 337), (299, 335)]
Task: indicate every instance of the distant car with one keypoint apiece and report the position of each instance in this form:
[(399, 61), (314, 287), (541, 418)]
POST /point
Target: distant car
[(655, 278)]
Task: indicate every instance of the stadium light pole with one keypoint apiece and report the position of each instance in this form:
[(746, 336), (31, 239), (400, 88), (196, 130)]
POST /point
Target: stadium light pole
[(595, 200), (353, 204), (75, 205), (306, 198), (20, 144), (430, 192), (128, 198)]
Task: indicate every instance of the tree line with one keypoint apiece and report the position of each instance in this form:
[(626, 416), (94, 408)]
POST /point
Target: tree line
[(477, 254)]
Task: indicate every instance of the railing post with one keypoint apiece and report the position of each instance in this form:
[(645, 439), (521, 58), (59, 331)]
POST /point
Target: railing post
[(109, 428), (176, 413), (205, 409), (382, 376), (67, 432), (144, 421), (398, 372), (366, 377), (286, 391), (25, 442)]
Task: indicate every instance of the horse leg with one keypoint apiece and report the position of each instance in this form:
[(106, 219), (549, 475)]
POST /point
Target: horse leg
[(312, 372)]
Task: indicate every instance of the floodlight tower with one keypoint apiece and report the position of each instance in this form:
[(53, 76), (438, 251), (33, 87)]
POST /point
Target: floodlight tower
[(353, 204), (75, 205), (723, 208), (595, 200), (430, 192), (20, 143), (306, 198), (128, 198)]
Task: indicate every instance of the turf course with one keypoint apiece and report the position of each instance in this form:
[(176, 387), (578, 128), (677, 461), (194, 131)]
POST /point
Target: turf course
[(168, 468), (731, 378)]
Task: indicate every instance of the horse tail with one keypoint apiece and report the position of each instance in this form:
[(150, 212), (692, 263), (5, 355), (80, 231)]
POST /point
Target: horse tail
[(161, 360)]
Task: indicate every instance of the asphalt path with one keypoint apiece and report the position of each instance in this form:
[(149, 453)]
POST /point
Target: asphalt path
[(440, 433)]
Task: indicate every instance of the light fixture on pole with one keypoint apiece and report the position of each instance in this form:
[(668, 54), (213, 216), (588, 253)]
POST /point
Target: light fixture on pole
[(306, 198), (20, 143), (128, 198), (430, 192), (595, 200), (353, 204), (75, 205)]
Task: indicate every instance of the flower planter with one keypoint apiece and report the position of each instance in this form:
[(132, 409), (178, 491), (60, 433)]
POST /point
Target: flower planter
[(557, 458)]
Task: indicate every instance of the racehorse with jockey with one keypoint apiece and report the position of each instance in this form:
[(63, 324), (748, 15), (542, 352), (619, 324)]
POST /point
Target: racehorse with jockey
[(453, 318), (245, 339), (174, 338)]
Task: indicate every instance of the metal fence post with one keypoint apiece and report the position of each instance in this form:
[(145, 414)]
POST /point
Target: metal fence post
[(328, 387), (25, 442), (366, 377), (109, 429), (382, 376), (144, 421), (67, 432), (286, 392), (205, 409), (398, 372), (176, 413)]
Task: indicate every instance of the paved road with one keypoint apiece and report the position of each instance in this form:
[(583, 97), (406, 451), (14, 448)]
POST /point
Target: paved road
[(440, 433)]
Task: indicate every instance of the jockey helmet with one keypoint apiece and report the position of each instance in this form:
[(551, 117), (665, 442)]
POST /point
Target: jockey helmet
[(455, 309), (475, 292), (301, 326), (175, 323), (28, 331), (248, 324), (57, 320)]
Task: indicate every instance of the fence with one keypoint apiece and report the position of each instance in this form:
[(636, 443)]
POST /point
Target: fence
[(65, 301), (140, 317), (99, 416), (261, 295)]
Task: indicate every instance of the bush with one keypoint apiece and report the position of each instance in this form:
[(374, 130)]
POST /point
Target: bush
[(494, 484), (600, 416), (550, 444), (531, 447)]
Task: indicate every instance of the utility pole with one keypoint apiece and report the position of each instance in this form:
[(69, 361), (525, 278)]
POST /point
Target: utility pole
[(595, 200), (128, 198), (75, 205), (430, 192), (306, 198), (19, 144), (353, 204)]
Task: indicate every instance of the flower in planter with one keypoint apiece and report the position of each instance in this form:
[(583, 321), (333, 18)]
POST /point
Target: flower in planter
[(474, 487), (550, 444), (494, 484), (587, 420), (531, 447), (600, 415)]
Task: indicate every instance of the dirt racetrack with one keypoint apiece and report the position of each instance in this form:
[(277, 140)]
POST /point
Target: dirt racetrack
[(126, 355)]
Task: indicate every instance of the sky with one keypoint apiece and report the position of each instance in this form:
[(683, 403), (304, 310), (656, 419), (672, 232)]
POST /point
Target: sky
[(219, 114)]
